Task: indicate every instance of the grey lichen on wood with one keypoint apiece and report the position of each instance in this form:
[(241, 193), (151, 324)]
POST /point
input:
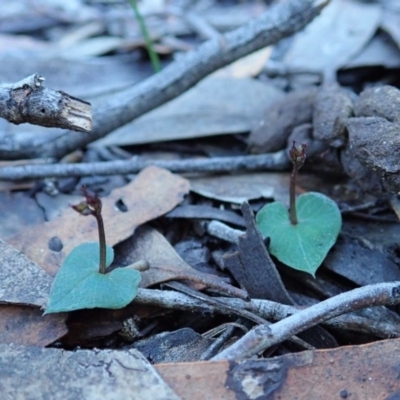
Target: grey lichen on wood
[(28, 101)]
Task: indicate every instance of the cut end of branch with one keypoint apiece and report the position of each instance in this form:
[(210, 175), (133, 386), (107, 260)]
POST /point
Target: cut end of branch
[(77, 113), (28, 101)]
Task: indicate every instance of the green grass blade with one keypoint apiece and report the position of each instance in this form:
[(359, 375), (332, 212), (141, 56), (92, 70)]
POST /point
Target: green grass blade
[(154, 59)]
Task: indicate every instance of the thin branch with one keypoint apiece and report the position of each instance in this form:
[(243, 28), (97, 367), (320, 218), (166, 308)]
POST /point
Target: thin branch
[(224, 232), (224, 307), (376, 324), (278, 22), (266, 309), (272, 162), (262, 337), (29, 101), (219, 342)]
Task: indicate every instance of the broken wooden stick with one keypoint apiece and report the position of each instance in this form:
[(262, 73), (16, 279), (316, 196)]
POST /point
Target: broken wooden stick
[(29, 101), (279, 21)]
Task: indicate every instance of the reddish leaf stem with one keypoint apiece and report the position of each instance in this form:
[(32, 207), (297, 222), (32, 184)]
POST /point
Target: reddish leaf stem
[(92, 206), (292, 194), (297, 156), (102, 242)]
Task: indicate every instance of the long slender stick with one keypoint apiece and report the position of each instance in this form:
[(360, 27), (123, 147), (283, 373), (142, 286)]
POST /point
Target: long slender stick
[(273, 162), (270, 310)]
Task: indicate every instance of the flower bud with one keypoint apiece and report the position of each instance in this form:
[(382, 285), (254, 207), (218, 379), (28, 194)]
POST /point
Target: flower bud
[(298, 154), (91, 206), (82, 208)]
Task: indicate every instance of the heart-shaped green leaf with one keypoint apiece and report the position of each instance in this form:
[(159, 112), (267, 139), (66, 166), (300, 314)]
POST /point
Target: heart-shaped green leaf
[(305, 245), (78, 284)]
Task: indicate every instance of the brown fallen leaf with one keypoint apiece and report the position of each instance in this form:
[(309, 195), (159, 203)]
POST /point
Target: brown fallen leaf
[(23, 325), (355, 372), (154, 192), (166, 264)]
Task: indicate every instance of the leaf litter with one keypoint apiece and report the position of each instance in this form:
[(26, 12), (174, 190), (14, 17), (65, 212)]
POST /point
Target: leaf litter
[(357, 241)]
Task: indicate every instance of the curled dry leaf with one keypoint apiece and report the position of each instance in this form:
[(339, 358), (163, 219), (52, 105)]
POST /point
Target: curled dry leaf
[(167, 265)]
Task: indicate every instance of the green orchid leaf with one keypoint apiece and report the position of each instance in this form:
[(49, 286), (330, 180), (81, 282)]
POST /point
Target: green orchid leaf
[(303, 246), (78, 284)]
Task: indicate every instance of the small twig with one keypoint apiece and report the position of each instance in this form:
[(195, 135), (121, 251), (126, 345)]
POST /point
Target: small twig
[(354, 323), (278, 22), (218, 343), (262, 337), (202, 27), (272, 162), (213, 301), (172, 300), (29, 101), (224, 232), (371, 325), (221, 328), (238, 311), (206, 212)]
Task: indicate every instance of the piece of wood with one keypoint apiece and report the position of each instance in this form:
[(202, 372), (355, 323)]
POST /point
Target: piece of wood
[(29, 101), (274, 161), (262, 337)]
